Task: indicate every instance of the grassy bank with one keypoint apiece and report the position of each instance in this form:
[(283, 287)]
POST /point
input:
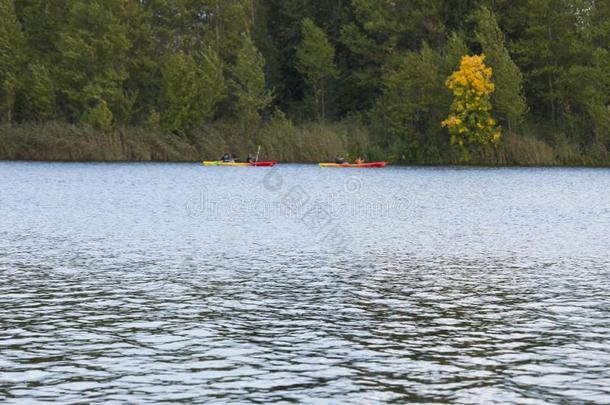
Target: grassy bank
[(280, 140), (59, 141)]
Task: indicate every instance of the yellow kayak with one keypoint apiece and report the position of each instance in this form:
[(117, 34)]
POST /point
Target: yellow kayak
[(264, 163)]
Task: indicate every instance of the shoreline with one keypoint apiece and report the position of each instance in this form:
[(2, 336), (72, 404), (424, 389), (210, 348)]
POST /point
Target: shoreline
[(280, 163), (307, 143)]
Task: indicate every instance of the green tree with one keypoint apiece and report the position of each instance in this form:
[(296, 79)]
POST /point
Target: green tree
[(508, 99), (229, 21), (543, 49), (282, 20), (192, 87), (598, 83), (248, 83), (414, 99), (93, 48), (39, 93), (11, 58), (143, 64), (377, 30), (99, 117), (589, 87), (42, 24), (559, 46), (316, 62), (410, 100)]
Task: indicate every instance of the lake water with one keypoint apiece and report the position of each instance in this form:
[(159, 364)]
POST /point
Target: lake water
[(144, 283)]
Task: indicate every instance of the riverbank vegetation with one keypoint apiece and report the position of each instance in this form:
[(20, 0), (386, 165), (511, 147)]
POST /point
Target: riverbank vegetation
[(185, 80)]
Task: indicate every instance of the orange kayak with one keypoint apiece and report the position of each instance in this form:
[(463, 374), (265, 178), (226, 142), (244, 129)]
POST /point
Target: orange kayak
[(356, 165)]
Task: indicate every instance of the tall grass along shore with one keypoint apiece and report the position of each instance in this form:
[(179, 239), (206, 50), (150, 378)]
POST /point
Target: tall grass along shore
[(282, 141)]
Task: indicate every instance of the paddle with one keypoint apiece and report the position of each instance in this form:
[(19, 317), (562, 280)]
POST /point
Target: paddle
[(257, 153)]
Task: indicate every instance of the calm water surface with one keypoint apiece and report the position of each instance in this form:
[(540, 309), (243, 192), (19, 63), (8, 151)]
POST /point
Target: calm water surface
[(141, 283)]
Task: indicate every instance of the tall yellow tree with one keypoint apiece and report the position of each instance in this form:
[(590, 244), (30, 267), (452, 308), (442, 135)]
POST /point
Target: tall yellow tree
[(470, 121)]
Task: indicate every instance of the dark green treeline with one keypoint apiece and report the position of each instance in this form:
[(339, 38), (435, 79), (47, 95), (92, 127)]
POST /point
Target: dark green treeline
[(185, 79)]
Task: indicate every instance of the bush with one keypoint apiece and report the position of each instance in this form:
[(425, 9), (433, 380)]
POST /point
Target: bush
[(99, 117)]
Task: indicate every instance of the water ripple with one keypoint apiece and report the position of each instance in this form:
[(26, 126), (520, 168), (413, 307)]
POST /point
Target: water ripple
[(127, 309)]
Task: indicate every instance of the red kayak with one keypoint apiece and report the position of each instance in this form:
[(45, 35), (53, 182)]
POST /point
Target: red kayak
[(268, 163)]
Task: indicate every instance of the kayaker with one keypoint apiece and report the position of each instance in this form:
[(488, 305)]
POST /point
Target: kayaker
[(359, 161), (339, 160), (226, 158), (250, 159)]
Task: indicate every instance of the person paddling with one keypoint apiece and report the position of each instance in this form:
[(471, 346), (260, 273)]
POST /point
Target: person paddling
[(339, 160), (250, 159), (226, 158)]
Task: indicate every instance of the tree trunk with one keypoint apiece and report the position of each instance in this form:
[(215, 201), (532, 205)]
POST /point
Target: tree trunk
[(253, 12), (322, 94), (216, 28)]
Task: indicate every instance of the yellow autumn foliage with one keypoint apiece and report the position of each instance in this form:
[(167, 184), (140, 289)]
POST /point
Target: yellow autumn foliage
[(470, 120)]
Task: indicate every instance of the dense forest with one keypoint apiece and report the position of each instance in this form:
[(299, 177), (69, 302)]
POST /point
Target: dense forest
[(306, 79)]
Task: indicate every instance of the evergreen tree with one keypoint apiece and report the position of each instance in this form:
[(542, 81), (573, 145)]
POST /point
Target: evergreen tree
[(414, 99), (191, 89), (508, 100), (229, 21), (543, 50), (11, 59), (316, 62), (248, 83), (143, 79), (94, 48), (587, 81), (410, 97), (377, 30), (39, 94), (42, 23)]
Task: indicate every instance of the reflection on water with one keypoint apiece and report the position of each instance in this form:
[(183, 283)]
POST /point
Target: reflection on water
[(483, 286)]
